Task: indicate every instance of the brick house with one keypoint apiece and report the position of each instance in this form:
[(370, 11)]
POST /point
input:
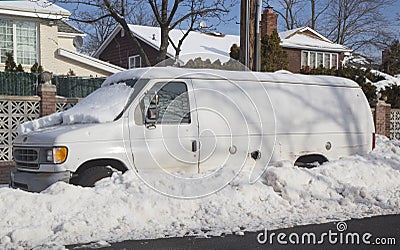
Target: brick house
[(38, 31), (305, 47), (119, 50)]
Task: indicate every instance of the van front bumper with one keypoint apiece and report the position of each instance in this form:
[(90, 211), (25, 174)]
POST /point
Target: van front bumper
[(36, 182)]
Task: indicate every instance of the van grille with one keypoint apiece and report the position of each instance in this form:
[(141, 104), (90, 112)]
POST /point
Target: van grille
[(26, 157)]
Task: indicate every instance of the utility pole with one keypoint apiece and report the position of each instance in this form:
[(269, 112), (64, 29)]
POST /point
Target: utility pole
[(250, 16), (247, 32), (257, 43)]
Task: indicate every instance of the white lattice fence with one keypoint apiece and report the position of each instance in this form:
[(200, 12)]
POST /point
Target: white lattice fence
[(63, 104), (14, 110), (395, 124)]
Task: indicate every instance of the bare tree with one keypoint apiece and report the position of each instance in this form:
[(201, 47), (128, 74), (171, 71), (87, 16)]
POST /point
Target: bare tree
[(318, 8), (115, 9), (172, 14), (97, 32), (357, 23), (292, 12), (297, 13)]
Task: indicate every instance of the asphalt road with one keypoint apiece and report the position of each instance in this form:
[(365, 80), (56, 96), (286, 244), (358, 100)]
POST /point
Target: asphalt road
[(367, 233)]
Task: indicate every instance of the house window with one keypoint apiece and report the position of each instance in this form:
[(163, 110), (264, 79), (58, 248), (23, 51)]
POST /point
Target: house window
[(26, 42), (6, 38), (20, 39), (315, 59), (135, 62)]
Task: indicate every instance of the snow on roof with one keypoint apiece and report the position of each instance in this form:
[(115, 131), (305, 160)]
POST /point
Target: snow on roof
[(91, 61), (184, 73), (33, 8), (298, 39), (285, 34), (196, 44)]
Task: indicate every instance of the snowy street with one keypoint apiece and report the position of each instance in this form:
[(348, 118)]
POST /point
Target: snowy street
[(123, 208)]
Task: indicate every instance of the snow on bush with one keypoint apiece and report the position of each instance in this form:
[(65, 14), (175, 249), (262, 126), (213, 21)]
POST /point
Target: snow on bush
[(103, 105), (389, 80), (123, 207)]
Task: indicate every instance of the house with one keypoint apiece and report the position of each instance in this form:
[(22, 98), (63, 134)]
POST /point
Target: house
[(305, 46), (118, 49), (38, 31)]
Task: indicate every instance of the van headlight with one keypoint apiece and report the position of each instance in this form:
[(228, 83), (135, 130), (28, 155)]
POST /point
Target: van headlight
[(56, 155)]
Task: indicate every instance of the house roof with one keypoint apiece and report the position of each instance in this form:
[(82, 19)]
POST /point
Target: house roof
[(33, 8), (205, 45), (215, 46), (307, 38), (66, 28), (88, 60)]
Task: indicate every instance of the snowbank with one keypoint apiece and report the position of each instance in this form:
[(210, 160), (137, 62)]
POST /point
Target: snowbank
[(122, 207), (103, 105)]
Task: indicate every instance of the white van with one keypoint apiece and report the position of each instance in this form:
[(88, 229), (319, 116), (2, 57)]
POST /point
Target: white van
[(194, 120)]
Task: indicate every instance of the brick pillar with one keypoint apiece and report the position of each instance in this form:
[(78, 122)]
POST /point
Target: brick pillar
[(382, 118), (47, 93), (5, 168)]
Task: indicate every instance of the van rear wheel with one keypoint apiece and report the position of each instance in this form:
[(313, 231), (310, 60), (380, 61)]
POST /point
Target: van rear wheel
[(310, 161), (91, 175)]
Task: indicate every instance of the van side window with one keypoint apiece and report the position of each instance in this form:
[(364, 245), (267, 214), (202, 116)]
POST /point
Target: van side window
[(173, 103)]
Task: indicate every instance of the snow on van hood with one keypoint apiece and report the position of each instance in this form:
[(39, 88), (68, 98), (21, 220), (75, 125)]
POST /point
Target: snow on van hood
[(102, 106), (123, 207)]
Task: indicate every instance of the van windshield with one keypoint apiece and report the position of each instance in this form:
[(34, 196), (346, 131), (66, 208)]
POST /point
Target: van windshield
[(101, 106)]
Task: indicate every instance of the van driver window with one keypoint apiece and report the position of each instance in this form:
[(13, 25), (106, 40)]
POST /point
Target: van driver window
[(173, 103)]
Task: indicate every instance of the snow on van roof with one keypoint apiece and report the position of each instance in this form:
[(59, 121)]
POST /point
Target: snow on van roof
[(184, 73)]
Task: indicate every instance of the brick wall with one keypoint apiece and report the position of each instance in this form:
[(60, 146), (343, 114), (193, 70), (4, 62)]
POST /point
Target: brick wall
[(5, 168), (294, 58), (382, 118)]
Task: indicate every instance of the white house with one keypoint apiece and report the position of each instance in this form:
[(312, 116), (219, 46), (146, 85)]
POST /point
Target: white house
[(38, 31)]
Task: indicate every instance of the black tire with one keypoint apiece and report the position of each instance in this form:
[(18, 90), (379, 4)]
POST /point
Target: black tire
[(91, 175)]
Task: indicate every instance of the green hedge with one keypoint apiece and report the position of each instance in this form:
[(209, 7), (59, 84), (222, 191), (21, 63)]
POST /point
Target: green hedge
[(24, 84), (17, 83)]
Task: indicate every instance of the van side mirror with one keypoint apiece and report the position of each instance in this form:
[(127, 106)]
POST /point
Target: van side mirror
[(151, 112)]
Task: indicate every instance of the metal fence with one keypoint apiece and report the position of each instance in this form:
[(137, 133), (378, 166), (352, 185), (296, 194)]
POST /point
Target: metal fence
[(25, 84), (395, 124)]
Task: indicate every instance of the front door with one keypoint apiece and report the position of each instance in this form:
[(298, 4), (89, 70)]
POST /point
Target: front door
[(163, 128)]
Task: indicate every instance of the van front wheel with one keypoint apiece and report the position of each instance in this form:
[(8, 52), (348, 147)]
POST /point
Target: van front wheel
[(91, 175)]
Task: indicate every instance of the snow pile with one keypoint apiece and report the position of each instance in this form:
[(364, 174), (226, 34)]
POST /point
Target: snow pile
[(389, 80), (103, 105), (122, 207)]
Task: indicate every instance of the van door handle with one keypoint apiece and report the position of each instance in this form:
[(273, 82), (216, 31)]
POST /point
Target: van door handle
[(194, 146)]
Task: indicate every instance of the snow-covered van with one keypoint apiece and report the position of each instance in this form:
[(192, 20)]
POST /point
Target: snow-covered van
[(194, 121)]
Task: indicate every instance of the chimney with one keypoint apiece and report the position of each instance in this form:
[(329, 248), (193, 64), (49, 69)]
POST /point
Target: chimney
[(269, 22)]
